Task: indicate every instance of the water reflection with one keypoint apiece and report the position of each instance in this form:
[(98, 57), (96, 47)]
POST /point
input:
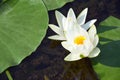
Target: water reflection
[(55, 68)]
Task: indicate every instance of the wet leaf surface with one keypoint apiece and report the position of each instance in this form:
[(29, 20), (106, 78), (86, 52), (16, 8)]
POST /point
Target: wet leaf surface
[(54, 4), (20, 32), (108, 61)]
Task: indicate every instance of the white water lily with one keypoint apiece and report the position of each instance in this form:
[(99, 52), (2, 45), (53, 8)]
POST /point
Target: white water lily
[(66, 22), (81, 43)]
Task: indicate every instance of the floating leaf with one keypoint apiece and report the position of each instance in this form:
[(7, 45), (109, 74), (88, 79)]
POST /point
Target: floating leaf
[(53, 4), (22, 28), (107, 64)]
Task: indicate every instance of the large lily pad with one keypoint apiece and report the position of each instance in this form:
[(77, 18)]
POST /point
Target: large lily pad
[(22, 28), (53, 4), (107, 64)]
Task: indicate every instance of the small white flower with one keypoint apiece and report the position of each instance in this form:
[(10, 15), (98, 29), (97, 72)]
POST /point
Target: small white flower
[(81, 43), (66, 23), (73, 31)]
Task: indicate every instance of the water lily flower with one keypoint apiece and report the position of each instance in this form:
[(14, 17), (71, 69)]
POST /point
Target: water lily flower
[(81, 43), (66, 22)]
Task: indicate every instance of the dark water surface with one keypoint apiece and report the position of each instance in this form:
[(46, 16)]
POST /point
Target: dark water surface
[(47, 63)]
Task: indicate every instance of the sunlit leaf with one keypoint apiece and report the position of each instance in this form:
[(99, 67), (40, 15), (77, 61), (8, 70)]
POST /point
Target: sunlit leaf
[(22, 28), (53, 4), (107, 64)]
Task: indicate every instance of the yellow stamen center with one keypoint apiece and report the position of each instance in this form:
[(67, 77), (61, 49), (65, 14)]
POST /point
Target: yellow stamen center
[(79, 40)]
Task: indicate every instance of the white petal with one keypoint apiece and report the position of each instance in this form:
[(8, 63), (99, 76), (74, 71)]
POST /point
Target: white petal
[(59, 18), (55, 28), (68, 24), (71, 31), (65, 24), (72, 57), (94, 53), (87, 25), (96, 40), (71, 15), (82, 17), (67, 45), (92, 32), (57, 37), (71, 19)]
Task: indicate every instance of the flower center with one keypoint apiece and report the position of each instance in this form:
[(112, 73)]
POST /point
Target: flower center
[(79, 40)]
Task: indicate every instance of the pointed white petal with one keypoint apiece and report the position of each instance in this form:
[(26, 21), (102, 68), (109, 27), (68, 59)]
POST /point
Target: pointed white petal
[(94, 53), (67, 45), (82, 17), (57, 37), (71, 15), (55, 28), (72, 57), (87, 25), (70, 20), (59, 18), (92, 32), (96, 40), (65, 24)]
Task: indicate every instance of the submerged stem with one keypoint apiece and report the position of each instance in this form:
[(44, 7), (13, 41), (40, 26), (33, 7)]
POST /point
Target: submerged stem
[(8, 75)]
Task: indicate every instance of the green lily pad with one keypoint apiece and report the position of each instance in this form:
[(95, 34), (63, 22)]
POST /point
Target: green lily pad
[(22, 28), (53, 4), (107, 64)]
